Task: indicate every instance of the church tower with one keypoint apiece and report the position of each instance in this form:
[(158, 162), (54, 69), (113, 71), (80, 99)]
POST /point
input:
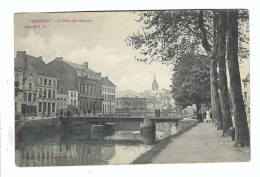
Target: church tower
[(155, 84)]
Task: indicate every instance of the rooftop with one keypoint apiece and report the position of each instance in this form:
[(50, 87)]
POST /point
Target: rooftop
[(128, 94), (37, 63), (107, 82)]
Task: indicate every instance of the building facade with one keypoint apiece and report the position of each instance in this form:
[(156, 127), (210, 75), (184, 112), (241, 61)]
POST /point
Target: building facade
[(158, 99), (108, 93), (83, 86), (130, 102), (39, 86), (47, 96), (62, 105)]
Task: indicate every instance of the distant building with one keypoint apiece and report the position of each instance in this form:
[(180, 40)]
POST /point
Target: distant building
[(158, 99), (155, 85), (246, 95), (108, 93), (39, 86), (62, 104), (129, 101), (83, 85)]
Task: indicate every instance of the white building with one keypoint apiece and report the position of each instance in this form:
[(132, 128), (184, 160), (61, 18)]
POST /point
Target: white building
[(108, 93)]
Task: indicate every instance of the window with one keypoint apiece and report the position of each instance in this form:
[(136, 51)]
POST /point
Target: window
[(74, 102), (245, 94), (30, 86), (44, 107), (54, 83), (86, 89), (49, 93), (41, 81), (45, 81), (53, 107), (40, 107), (53, 94), (34, 97), (49, 82), (245, 85), (58, 101), (71, 94), (25, 96), (40, 92)]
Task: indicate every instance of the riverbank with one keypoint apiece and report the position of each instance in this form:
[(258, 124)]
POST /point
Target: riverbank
[(202, 144), (148, 156)]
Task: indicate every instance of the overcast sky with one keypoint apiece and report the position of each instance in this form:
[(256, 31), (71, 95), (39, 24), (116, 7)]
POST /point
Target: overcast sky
[(99, 42)]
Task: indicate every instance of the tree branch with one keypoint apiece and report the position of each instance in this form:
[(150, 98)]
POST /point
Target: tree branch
[(203, 30)]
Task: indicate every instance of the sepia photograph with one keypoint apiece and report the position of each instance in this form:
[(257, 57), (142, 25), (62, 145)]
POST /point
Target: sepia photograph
[(131, 87)]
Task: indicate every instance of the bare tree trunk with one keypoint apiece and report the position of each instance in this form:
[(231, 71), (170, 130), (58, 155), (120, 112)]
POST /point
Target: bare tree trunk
[(215, 94), (215, 102), (214, 74), (242, 137), (221, 54)]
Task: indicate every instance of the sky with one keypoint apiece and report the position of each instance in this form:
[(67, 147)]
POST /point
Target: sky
[(99, 41)]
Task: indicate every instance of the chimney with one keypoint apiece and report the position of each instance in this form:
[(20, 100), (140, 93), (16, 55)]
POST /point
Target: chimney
[(21, 54), (58, 58), (86, 65)]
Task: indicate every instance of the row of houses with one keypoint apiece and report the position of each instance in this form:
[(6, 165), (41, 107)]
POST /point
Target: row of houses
[(60, 88)]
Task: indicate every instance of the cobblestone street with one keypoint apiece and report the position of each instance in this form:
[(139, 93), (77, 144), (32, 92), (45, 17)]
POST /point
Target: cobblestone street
[(203, 143)]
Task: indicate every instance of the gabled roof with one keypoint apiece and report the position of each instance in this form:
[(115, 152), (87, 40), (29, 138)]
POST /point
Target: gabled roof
[(38, 64), (107, 82), (75, 65), (128, 94)]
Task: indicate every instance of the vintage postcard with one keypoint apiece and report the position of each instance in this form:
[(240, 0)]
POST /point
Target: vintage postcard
[(131, 87)]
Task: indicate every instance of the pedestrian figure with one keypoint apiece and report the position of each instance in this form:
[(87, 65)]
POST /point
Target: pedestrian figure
[(208, 116)]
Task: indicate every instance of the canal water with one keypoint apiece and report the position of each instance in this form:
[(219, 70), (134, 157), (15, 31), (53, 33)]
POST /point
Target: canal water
[(55, 146)]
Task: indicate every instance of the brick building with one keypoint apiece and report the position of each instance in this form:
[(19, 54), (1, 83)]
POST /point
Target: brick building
[(83, 85), (39, 86)]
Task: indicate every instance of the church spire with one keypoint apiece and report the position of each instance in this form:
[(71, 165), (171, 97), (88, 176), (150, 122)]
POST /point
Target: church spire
[(154, 84)]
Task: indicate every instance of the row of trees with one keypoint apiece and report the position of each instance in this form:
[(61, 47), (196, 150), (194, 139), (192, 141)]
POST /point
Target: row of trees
[(199, 44)]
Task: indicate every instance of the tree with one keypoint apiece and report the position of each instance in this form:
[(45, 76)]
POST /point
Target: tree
[(211, 51), (221, 58), (191, 82), (242, 132), (166, 36)]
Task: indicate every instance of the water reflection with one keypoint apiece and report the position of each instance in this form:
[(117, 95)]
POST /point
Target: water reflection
[(71, 146)]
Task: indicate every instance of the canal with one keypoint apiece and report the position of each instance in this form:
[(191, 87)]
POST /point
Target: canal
[(66, 146)]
